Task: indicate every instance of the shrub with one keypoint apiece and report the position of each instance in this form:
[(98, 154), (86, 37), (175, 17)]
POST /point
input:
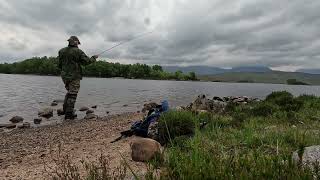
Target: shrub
[(231, 107), (176, 123), (295, 82), (306, 97), (263, 109), (279, 96), (239, 118), (285, 101)]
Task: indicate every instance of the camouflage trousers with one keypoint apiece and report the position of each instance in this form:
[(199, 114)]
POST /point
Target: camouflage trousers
[(72, 86)]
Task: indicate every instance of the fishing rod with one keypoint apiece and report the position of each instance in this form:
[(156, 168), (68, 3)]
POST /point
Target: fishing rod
[(123, 42)]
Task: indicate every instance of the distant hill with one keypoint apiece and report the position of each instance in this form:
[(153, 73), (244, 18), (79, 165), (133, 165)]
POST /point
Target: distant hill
[(207, 70), (309, 71), (251, 69), (275, 77)]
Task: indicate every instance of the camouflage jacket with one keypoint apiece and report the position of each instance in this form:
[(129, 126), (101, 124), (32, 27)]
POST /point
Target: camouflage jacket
[(71, 60)]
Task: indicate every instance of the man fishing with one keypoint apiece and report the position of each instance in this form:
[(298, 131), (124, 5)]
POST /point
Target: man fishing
[(71, 60)]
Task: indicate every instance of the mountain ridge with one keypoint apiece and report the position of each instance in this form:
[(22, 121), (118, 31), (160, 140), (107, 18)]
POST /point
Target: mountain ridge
[(210, 70)]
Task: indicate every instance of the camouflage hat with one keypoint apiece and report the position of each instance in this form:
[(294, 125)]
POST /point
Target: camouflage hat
[(73, 39)]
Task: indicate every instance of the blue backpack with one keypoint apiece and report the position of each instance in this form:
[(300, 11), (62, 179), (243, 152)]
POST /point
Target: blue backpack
[(140, 128)]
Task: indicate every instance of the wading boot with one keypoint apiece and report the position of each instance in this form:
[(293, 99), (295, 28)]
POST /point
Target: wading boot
[(71, 116)]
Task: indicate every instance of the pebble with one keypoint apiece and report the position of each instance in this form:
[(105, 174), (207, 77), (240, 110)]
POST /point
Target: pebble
[(84, 108), (37, 120), (60, 112), (90, 111), (8, 126), (47, 113), (94, 107), (16, 119), (90, 116), (24, 125), (54, 104), (58, 101)]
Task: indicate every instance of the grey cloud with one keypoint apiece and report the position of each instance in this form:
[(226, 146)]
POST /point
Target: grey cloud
[(215, 33)]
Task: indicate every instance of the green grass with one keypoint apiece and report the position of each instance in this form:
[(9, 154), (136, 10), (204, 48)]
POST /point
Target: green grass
[(255, 141), (174, 124)]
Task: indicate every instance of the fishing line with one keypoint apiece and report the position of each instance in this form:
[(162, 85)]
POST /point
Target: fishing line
[(123, 42)]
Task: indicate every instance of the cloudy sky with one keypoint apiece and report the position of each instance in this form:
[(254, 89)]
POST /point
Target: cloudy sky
[(282, 34)]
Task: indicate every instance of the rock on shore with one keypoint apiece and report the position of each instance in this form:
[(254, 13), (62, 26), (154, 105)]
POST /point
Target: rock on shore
[(90, 111), (46, 113), (37, 120), (84, 108), (8, 126), (16, 119), (216, 104), (310, 156), (145, 149), (90, 116), (24, 125)]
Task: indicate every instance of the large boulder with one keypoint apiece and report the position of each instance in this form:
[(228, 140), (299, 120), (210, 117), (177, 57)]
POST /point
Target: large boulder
[(46, 113), (201, 103), (16, 119), (145, 149), (204, 104), (309, 156)]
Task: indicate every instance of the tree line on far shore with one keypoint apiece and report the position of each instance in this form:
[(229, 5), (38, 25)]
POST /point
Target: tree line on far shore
[(49, 66)]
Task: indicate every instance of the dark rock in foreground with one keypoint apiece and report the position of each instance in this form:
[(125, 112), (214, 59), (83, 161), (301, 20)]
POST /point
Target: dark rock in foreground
[(46, 113), (94, 107), (16, 119)]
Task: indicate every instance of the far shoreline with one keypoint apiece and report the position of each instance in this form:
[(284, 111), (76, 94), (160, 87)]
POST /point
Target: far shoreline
[(199, 80)]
